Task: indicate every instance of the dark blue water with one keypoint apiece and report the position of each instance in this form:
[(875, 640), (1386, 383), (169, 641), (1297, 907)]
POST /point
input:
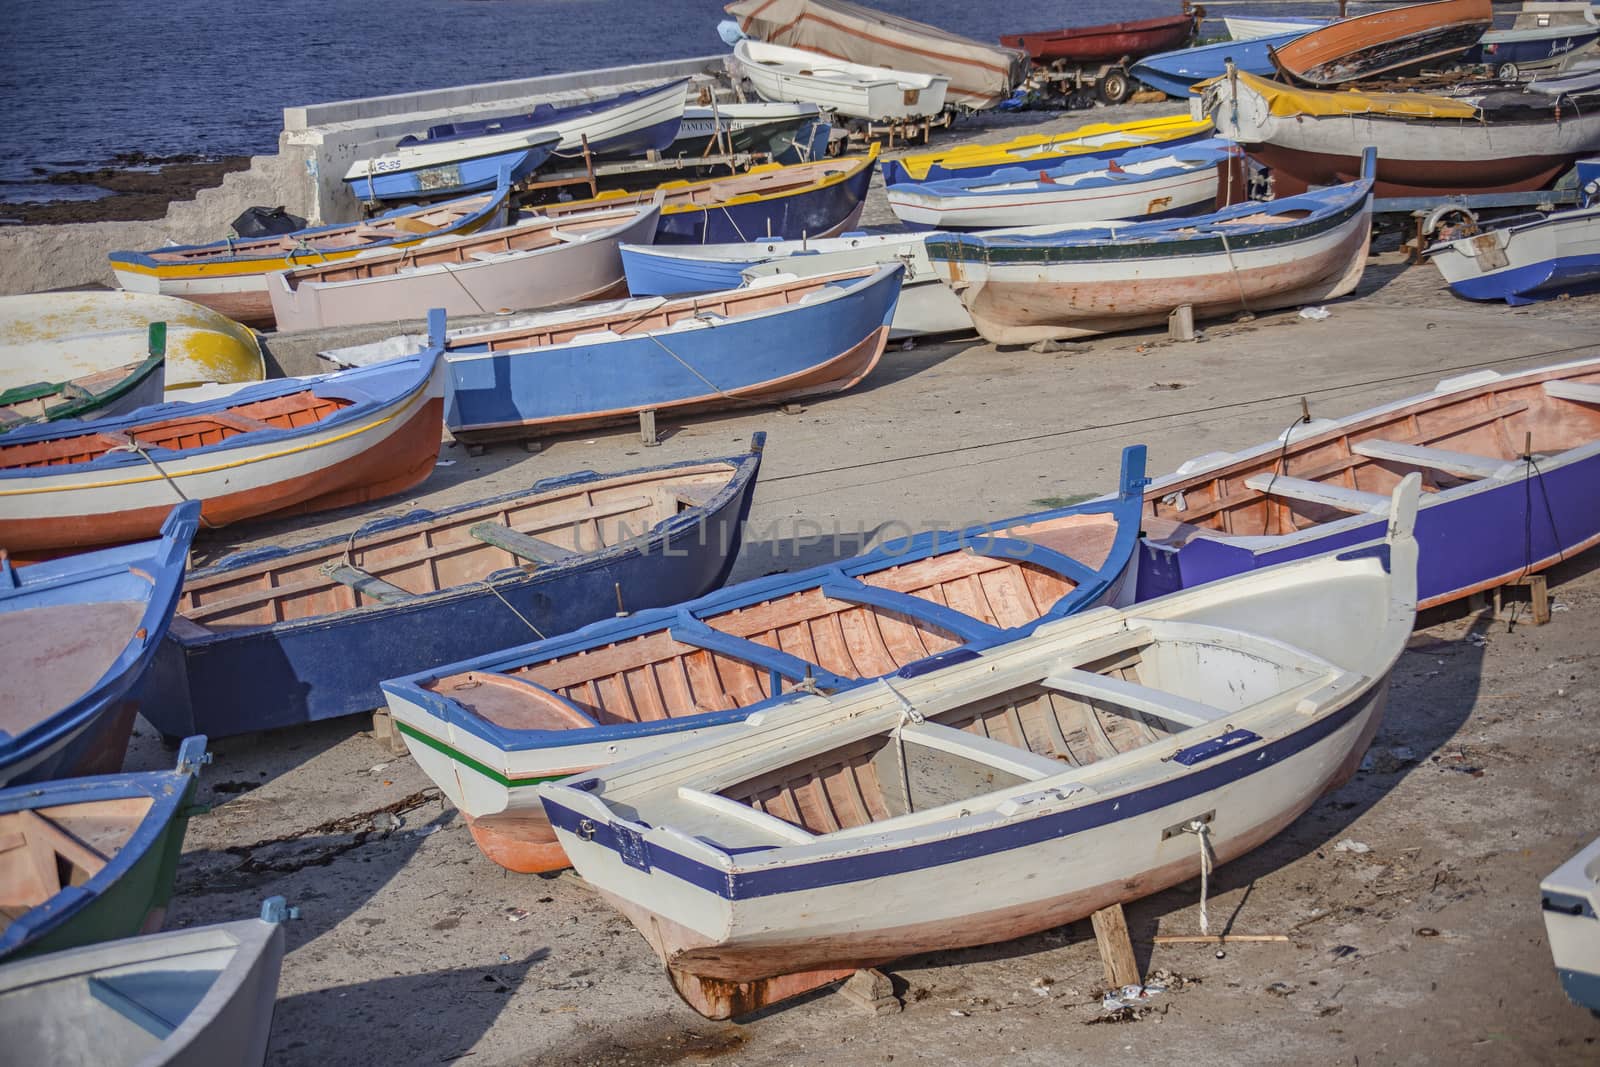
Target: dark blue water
[(84, 80)]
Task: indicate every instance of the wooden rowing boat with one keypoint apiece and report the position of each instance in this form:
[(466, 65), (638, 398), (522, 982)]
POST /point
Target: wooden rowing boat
[(1384, 42), (1109, 43), (1538, 256), (230, 276), (185, 998), (46, 336), (293, 445), (774, 339), (537, 263), (1175, 72), (87, 860), (1427, 145), (1145, 183), (1488, 514), (874, 93), (1098, 760), (1097, 140), (1103, 278), (284, 635), (489, 730), (100, 394), (818, 199), (77, 636), (423, 170), (981, 75)]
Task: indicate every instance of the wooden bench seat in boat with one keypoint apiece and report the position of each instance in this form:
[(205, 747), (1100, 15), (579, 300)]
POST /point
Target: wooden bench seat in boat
[(979, 749), (523, 546), (1087, 685), (368, 585), (1583, 392), (1355, 501), (1460, 464)]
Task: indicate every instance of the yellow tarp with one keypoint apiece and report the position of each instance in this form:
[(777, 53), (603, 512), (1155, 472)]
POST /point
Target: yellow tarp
[(1287, 100)]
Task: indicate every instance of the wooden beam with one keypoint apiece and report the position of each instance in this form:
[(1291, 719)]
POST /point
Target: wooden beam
[(524, 546), (1116, 949)]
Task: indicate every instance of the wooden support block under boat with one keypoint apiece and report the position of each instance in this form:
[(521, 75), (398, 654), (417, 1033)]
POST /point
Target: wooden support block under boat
[(1116, 949)]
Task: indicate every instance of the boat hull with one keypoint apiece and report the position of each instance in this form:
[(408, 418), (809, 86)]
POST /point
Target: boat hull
[(1384, 42), (330, 665), (589, 269), (828, 347), (787, 75), (1105, 44), (1568, 901), (393, 447), (50, 335), (1471, 537), (1417, 156), (811, 928), (456, 177), (1524, 263), (1174, 72), (1022, 302), (1094, 141)]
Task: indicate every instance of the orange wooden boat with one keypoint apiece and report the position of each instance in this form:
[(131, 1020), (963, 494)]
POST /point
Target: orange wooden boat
[(1384, 41)]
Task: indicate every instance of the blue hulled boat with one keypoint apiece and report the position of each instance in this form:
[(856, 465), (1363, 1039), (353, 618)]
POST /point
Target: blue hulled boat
[(430, 169), (626, 124), (488, 730), (1538, 256), (76, 638), (96, 856), (773, 339), (802, 200), (1174, 72), (279, 636)]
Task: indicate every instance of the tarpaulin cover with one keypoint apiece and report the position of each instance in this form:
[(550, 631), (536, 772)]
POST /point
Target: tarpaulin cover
[(1284, 100), (981, 75)]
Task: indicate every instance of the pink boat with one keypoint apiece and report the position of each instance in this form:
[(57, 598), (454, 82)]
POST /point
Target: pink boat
[(539, 263)]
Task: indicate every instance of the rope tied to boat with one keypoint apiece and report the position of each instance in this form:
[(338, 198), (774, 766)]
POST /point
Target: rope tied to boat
[(1226, 251), (135, 447), (713, 386), (908, 714), (487, 584), (1202, 830), (731, 221)]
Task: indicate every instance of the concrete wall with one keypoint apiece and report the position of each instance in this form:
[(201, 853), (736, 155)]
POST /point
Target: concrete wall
[(316, 148), (35, 258)]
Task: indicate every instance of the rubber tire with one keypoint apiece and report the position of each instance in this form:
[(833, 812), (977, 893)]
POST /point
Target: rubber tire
[(1507, 72), (1115, 87)]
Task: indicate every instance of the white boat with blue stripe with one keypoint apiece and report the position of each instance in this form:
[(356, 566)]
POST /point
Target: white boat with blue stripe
[(1005, 791)]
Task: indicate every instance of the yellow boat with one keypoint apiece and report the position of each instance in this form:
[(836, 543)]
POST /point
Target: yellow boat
[(1096, 140), (61, 336), (230, 276)]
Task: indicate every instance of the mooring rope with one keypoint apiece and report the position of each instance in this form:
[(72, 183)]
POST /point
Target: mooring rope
[(491, 587), (1202, 831), (685, 364), (908, 714), (138, 449)]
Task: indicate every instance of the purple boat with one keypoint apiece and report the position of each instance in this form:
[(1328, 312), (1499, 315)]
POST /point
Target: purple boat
[(1510, 467)]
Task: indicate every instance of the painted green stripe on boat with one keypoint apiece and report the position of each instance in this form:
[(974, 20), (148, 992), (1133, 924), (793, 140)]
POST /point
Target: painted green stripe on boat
[(467, 761)]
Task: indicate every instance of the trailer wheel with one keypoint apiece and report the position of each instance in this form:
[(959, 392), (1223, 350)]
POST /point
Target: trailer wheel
[(1508, 72), (1116, 86)]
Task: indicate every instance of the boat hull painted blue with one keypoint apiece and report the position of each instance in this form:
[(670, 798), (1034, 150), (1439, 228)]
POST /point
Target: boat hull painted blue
[(820, 212), (1534, 282), (738, 361), (1174, 72), (1473, 542), (631, 142), (652, 273), (90, 734), (464, 176), (1526, 52), (326, 667)]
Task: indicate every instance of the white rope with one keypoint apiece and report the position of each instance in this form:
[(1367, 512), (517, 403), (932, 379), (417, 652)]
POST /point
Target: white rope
[(1202, 831), (688, 367), (138, 449), (1236, 279), (908, 714)]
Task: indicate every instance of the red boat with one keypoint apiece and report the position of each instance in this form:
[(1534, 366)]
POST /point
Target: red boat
[(1111, 42)]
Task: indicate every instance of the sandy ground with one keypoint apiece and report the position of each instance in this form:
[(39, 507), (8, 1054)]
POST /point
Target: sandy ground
[(1424, 946)]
